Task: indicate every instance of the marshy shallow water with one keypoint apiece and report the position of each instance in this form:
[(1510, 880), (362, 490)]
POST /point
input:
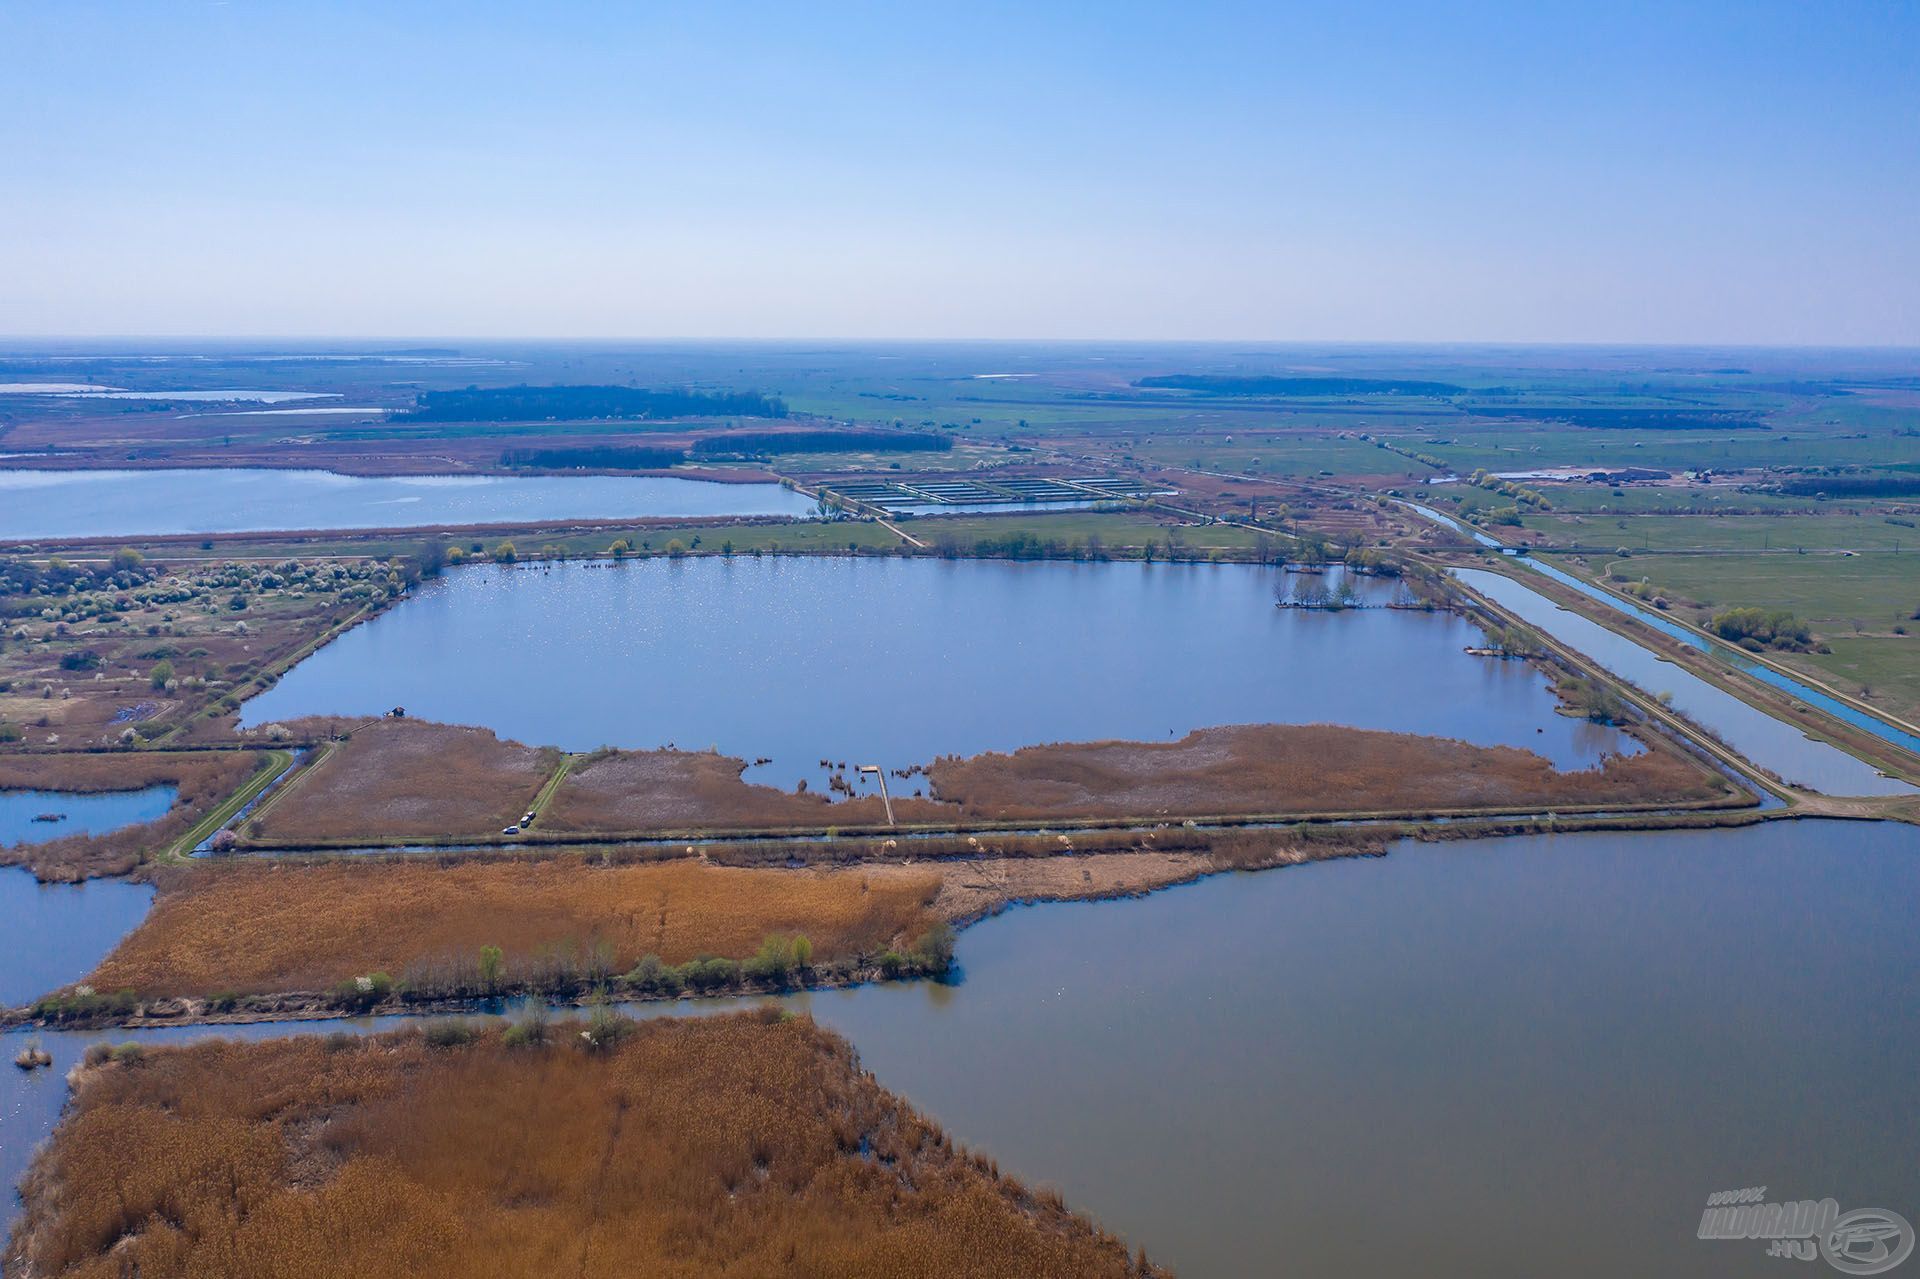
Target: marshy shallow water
[(1521, 1056), (88, 813), (896, 661), (36, 504)]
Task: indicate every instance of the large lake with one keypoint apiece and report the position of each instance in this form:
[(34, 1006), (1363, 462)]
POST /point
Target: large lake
[(42, 504), (1517, 1057), (896, 661)]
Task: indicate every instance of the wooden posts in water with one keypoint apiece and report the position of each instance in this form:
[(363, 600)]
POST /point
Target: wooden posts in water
[(885, 800)]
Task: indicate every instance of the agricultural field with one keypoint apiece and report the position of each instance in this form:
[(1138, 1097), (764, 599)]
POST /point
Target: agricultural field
[(1860, 606), (747, 1144), (1845, 530)]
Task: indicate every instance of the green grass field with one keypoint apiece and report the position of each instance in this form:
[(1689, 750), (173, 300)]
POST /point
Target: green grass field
[(1848, 529), (1853, 604), (1830, 592)]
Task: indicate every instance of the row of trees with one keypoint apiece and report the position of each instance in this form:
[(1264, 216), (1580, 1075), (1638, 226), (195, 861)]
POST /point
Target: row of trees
[(563, 403)]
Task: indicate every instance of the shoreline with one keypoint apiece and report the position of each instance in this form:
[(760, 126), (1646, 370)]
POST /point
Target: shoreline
[(1049, 881)]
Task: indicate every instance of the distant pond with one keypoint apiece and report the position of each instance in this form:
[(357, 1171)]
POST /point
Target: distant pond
[(37, 504), (897, 661), (23, 812)]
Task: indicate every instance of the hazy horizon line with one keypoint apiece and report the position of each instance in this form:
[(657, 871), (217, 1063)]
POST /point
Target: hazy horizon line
[(842, 340)]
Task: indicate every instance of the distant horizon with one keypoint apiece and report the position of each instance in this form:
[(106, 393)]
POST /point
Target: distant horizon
[(188, 339)]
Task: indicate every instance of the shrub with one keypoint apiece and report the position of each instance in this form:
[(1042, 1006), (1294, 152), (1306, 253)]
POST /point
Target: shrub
[(222, 1001), (129, 1053), (892, 962), (340, 1041), (362, 993), (504, 553), (98, 1054), (932, 952), (492, 964), (1764, 627), (710, 972), (529, 1030), (84, 1003), (772, 962), (604, 1029), (452, 1032), (654, 976)]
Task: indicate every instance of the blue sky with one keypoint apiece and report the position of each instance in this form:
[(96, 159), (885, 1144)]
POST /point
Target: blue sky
[(1604, 172)]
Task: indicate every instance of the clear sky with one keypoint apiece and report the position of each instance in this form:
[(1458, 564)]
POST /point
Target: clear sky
[(1672, 172)]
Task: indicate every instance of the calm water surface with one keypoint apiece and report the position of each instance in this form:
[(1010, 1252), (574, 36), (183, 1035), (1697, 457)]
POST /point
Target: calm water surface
[(1518, 1057), (896, 661), (52, 934), (1771, 743), (110, 503), (82, 814)]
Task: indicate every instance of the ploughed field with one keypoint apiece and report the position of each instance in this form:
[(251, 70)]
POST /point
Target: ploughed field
[(750, 1144)]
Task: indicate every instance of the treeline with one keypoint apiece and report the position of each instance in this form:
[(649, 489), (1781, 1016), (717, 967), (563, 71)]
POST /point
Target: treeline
[(1851, 485), (1628, 419), (21, 578), (762, 443), (566, 403), (604, 457), (1215, 384)]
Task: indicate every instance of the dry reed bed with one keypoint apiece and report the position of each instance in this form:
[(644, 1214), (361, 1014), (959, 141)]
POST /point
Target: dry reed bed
[(409, 778), (743, 1145), (257, 926), (416, 780), (1287, 769), (204, 780), (688, 790)]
